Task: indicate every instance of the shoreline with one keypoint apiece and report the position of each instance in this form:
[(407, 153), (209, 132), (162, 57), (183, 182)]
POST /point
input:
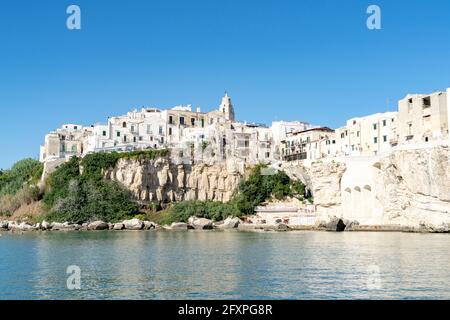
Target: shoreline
[(242, 227)]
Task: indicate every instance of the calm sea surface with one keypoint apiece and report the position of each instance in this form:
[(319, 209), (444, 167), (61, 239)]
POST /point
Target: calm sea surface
[(226, 265)]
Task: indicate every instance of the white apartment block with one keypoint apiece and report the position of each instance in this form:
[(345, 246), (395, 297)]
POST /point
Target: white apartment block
[(367, 136), (310, 144)]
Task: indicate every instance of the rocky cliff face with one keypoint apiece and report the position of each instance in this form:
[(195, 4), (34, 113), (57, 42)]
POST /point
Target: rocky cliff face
[(408, 188), (416, 187), (163, 180)]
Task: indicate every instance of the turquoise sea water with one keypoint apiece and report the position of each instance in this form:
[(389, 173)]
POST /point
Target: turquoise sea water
[(225, 265)]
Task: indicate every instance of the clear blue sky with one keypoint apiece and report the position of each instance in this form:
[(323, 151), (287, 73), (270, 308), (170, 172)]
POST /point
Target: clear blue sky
[(309, 60)]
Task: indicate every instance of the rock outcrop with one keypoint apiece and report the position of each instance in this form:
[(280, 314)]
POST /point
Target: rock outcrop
[(405, 188), (229, 223), (133, 224), (98, 225), (163, 181), (200, 223)]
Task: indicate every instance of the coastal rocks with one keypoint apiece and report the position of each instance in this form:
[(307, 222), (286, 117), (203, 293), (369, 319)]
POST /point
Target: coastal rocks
[(149, 225), (118, 226), (23, 226), (229, 223), (4, 225), (281, 227), (66, 226), (200, 223), (133, 224), (332, 224), (178, 226), (98, 225)]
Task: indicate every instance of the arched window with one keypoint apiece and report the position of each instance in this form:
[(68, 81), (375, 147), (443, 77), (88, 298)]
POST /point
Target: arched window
[(124, 124)]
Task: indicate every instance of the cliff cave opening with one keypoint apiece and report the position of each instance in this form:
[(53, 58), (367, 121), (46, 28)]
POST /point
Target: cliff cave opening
[(340, 225)]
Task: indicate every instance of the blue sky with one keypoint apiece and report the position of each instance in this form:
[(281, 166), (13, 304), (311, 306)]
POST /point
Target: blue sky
[(311, 60)]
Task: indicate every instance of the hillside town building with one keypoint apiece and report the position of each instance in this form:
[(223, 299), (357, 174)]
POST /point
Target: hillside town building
[(196, 136)]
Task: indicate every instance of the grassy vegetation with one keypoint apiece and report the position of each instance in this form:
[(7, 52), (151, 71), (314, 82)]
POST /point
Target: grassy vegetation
[(23, 173), (18, 186)]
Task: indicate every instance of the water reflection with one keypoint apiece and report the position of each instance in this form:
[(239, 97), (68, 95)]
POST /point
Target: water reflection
[(225, 265)]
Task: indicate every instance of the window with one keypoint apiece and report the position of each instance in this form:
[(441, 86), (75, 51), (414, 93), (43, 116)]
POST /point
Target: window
[(132, 128), (182, 120), (192, 121), (426, 139), (426, 102), (118, 134), (104, 133), (124, 124), (124, 138), (160, 130), (203, 122), (162, 140), (267, 154), (342, 135), (374, 126), (170, 131), (170, 120), (134, 139), (375, 140), (149, 129), (357, 133), (140, 138), (75, 128), (384, 123), (384, 138)]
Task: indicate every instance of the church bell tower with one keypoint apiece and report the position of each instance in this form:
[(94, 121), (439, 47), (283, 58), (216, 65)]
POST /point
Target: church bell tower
[(226, 107)]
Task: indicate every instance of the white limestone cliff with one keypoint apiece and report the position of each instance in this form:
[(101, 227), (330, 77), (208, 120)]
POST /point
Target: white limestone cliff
[(162, 180), (405, 188)]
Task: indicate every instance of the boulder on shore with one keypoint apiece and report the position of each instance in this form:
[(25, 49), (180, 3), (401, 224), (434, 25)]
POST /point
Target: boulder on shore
[(118, 226), (133, 224), (4, 225), (332, 224), (229, 223), (200, 223), (178, 226), (45, 225), (149, 225), (98, 225)]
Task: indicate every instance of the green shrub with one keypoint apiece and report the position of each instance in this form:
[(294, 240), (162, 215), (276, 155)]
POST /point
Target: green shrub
[(23, 173)]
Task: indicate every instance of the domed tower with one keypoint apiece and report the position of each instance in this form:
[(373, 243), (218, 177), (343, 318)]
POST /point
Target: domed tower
[(226, 107)]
